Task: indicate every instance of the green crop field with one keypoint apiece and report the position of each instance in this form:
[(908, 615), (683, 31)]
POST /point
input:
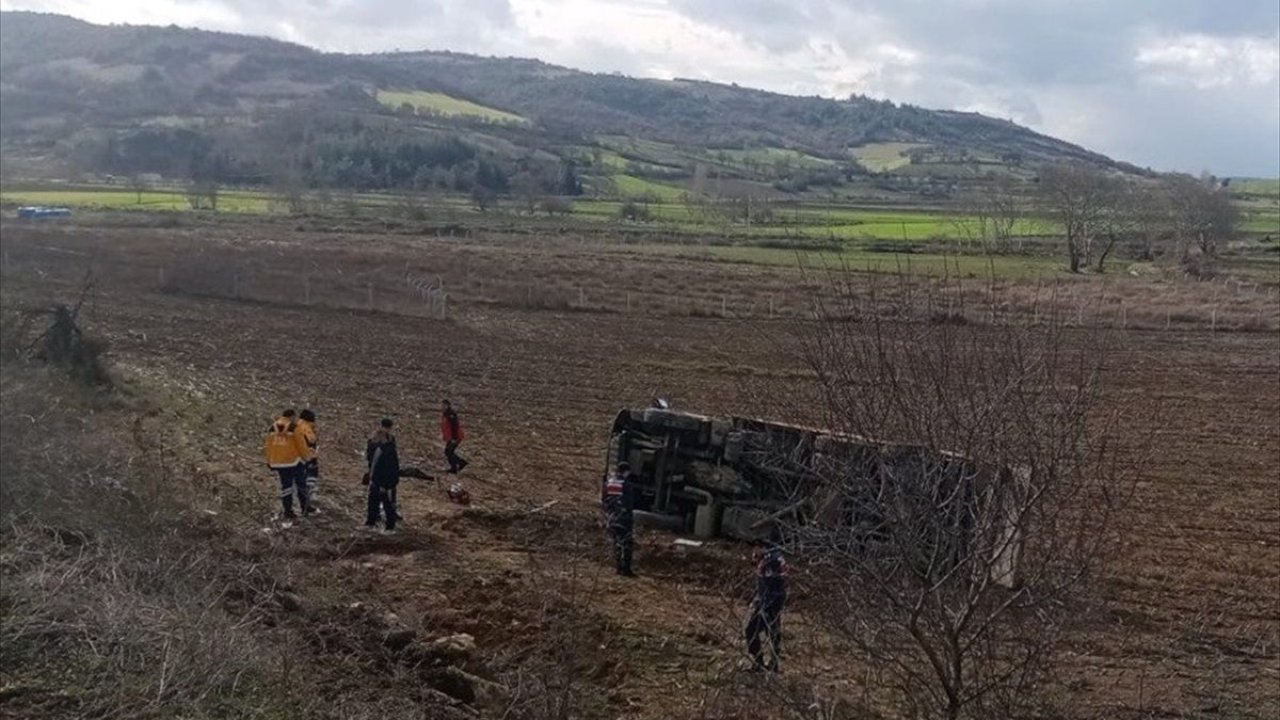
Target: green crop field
[(122, 199), (1269, 187), (629, 186), (1261, 222), (771, 156), (430, 102), (658, 153), (882, 157)]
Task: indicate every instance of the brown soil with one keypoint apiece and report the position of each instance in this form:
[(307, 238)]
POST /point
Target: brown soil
[(1193, 627)]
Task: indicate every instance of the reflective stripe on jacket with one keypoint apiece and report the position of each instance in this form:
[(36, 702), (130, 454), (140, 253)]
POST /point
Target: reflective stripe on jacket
[(284, 446)]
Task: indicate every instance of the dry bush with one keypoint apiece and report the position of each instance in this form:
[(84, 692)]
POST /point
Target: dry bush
[(563, 671), (960, 537), (112, 599)]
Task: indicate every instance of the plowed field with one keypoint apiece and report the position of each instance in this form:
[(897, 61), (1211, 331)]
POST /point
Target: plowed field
[(538, 364)]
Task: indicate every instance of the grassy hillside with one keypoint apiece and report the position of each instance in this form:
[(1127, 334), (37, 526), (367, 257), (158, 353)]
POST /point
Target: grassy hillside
[(189, 104), (441, 104)]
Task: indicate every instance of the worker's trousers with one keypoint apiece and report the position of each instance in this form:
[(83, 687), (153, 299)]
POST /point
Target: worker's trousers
[(766, 619), (312, 471), (456, 461), (382, 502), (293, 480), (622, 538)]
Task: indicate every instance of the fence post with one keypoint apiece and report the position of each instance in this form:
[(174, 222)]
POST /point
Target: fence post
[(724, 306), (235, 286), (370, 288), (628, 301), (770, 306), (582, 297), (1124, 316), (306, 290), (1213, 321), (1168, 319)]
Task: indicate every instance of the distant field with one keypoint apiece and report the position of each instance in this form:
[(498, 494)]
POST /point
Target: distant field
[(630, 186), (659, 153), (122, 199), (1256, 186), (886, 262), (771, 156), (443, 104), (882, 157), (1261, 222)]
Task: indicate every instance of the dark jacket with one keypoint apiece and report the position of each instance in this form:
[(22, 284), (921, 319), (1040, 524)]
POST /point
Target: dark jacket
[(616, 498), (384, 461), (771, 577)]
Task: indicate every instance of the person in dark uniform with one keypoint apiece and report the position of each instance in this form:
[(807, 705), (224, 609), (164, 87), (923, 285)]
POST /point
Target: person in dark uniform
[(617, 503), (383, 476), (767, 603)]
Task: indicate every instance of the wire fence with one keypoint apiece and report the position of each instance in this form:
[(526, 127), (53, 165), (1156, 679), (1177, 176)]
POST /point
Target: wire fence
[(1220, 305), (1225, 304)]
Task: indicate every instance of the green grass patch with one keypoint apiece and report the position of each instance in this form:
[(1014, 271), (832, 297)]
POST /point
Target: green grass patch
[(630, 186), (771, 157), (441, 104), (1269, 187), (658, 153), (124, 199), (1267, 223), (883, 157)]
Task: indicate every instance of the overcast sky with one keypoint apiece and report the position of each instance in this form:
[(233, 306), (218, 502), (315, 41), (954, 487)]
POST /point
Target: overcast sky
[(1174, 84)]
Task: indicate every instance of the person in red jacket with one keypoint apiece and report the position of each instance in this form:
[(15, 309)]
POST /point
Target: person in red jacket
[(451, 431)]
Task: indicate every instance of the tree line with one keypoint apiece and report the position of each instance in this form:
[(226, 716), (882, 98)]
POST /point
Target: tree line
[(1101, 214)]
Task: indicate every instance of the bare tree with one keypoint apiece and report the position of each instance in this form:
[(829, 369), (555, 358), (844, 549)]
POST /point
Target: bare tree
[(1075, 194), (483, 198), (965, 498), (1153, 212), (203, 195), (1118, 218), (990, 217), (138, 184), (1204, 216)]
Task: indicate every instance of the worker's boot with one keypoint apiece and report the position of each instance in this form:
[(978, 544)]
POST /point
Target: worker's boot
[(287, 502)]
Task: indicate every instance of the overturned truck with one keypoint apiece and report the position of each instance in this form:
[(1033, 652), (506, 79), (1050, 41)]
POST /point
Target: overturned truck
[(736, 477)]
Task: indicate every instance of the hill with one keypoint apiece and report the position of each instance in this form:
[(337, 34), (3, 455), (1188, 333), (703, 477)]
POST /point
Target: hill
[(185, 104)]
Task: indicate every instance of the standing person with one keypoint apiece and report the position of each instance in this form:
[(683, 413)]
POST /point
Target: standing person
[(284, 450), (451, 430), (383, 476), (616, 501), (310, 458), (767, 603)]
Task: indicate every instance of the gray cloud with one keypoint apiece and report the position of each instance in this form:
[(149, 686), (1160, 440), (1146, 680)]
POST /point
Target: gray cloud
[(1204, 95)]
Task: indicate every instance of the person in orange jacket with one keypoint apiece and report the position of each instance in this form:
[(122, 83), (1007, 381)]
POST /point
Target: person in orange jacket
[(310, 457), (285, 450), (451, 431)]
